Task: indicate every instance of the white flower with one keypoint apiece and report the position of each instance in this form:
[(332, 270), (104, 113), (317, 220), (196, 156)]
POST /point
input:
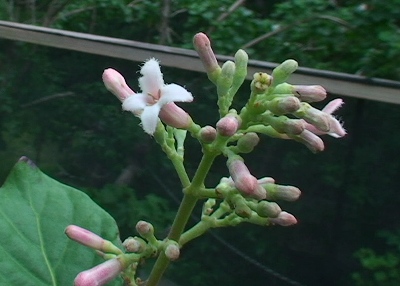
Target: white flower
[(155, 94)]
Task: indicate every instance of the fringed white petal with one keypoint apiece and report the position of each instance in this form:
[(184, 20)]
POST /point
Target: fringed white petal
[(135, 103), (149, 118), (333, 105), (152, 80), (174, 93)]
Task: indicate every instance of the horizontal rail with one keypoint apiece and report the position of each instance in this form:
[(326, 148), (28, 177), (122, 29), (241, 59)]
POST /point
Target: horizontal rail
[(340, 84)]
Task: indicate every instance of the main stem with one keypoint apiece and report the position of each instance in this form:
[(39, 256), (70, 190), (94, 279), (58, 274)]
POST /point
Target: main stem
[(186, 207)]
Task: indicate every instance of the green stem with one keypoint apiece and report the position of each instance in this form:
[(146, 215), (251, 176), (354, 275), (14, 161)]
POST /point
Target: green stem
[(185, 209)]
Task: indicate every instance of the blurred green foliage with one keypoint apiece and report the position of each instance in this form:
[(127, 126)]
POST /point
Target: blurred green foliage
[(55, 110)]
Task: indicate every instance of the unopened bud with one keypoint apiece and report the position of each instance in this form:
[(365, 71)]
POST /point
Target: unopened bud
[(116, 84), (228, 125), (207, 134), (283, 105), (247, 142), (172, 251), (225, 79), (310, 140), (283, 219), (174, 116), (318, 118), (284, 124), (144, 228), (282, 72), (100, 274), (309, 93), (244, 181), (203, 47), (90, 239), (279, 192), (134, 244), (266, 180), (268, 209), (261, 82)]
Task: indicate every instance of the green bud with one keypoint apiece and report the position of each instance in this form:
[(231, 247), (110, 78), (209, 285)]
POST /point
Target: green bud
[(268, 209), (283, 105), (284, 124), (225, 79), (247, 142), (282, 72)]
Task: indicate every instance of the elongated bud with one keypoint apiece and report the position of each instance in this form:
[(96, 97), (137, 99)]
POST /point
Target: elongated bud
[(268, 209), (100, 274), (174, 116), (266, 180), (203, 47), (310, 140), (144, 228), (260, 83), (279, 192), (172, 251), (207, 134), (116, 84), (225, 79), (247, 142), (283, 105), (283, 219), (309, 93), (284, 124), (318, 118), (228, 125), (90, 239), (244, 181), (282, 72), (241, 60)]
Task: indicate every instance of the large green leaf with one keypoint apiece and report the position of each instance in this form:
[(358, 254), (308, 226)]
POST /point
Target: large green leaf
[(34, 211)]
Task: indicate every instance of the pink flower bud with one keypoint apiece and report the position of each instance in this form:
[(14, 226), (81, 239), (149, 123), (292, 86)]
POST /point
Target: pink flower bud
[(279, 192), (283, 105), (90, 239), (309, 93), (311, 141), (283, 219), (144, 228), (207, 134), (101, 274), (172, 252), (244, 181), (174, 116), (203, 47), (228, 125), (134, 244), (115, 83)]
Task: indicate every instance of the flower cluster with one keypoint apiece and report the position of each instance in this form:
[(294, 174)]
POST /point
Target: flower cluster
[(274, 108)]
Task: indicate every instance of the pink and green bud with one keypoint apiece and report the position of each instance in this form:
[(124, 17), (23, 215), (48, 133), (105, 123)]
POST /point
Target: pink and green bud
[(310, 140), (134, 244), (101, 274), (203, 47), (90, 239), (260, 83), (172, 251), (116, 84), (144, 228), (266, 180), (244, 181), (228, 125), (268, 209), (279, 192), (174, 116), (318, 118), (283, 219), (283, 105), (282, 72), (309, 93), (284, 124), (247, 142), (207, 134)]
